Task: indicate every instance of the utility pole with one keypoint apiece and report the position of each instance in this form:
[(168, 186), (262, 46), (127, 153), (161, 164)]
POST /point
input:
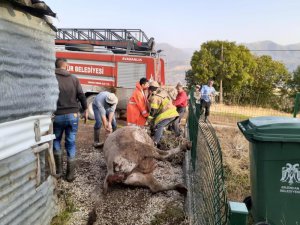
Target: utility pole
[(222, 73)]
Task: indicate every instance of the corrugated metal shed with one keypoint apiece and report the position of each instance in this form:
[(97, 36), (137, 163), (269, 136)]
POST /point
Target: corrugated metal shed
[(29, 91), (27, 59), (26, 161)]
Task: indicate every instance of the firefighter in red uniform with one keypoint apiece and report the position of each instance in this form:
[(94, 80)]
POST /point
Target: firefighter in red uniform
[(137, 108)]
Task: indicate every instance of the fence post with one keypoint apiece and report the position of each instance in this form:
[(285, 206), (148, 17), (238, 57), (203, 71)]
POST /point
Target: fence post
[(193, 127), (297, 105)]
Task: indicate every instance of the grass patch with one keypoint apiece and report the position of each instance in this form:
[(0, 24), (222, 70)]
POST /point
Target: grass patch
[(171, 215), (234, 115), (249, 111), (63, 217), (237, 184)]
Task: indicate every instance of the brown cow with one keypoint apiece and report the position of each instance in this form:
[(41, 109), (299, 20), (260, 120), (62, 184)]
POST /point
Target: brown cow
[(130, 158)]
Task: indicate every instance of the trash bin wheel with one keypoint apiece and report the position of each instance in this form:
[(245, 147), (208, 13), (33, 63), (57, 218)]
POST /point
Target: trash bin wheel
[(248, 202), (262, 223)]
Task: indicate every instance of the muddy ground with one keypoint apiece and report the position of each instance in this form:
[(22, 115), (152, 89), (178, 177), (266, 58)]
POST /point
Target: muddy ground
[(123, 205)]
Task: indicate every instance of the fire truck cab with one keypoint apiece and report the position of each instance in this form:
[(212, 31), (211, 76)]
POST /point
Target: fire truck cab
[(114, 68)]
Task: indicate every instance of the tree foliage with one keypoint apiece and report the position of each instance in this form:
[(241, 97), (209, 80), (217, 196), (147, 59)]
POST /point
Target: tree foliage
[(295, 81), (246, 78), (223, 61)]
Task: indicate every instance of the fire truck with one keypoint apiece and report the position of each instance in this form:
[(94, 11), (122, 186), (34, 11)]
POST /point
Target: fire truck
[(109, 59)]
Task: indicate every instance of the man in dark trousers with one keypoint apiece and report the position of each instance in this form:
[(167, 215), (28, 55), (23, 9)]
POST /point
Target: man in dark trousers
[(181, 103), (207, 92), (66, 117)]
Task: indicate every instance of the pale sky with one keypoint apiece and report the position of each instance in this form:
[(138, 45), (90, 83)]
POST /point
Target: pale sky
[(188, 23)]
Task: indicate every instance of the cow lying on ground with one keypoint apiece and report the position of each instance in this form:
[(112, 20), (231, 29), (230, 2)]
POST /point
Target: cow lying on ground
[(130, 158)]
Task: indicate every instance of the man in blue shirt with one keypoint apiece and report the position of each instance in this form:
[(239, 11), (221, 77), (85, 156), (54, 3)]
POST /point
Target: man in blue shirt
[(104, 106), (207, 91)]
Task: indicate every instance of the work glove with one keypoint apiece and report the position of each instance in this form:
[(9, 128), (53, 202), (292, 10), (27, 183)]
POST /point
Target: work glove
[(150, 121)]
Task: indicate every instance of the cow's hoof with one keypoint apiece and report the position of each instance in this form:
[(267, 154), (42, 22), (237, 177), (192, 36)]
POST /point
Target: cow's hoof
[(98, 144), (104, 190), (181, 189), (186, 146), (189, 145), (116, 178), (105, 187)]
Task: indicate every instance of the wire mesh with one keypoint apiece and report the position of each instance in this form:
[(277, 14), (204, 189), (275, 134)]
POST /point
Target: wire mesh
[(209, 202)]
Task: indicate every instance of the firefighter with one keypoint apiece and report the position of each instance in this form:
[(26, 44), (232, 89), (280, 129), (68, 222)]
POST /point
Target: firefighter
[(162, 110), (137, 108)]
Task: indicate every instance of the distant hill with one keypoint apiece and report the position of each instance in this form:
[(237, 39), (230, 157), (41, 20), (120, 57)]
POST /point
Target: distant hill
[(290, 58), (177, 62), (178, 59)]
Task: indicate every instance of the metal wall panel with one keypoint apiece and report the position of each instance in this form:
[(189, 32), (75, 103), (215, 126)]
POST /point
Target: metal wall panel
[(26, 197), (130, 73), (18, 135), (29, 91), (28, 85)]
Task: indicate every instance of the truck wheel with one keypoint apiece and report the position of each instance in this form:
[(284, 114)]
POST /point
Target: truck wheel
[(90, 100)]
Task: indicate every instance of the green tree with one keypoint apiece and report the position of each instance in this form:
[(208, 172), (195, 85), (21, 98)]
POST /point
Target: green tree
[(295, 81), (190, 78), (270, 79), (229, 64)]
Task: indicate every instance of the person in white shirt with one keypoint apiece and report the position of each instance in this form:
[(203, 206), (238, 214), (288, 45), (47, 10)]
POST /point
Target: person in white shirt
[(207, 91)]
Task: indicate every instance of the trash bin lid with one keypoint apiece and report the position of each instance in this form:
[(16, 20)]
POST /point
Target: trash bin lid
[(275, 129)]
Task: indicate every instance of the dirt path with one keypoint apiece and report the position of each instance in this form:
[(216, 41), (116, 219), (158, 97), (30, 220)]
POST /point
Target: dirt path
[(122, 205)]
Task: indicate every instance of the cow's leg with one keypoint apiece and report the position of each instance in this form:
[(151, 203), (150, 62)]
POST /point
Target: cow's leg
[(163, 155), (110, 172), (147, 180)]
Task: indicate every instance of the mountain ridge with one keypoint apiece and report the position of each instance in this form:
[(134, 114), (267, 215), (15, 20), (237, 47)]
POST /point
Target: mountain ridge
[(280, 52)]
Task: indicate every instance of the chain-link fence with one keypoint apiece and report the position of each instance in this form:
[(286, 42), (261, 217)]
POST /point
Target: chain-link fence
[(230, 113), (207, 200)]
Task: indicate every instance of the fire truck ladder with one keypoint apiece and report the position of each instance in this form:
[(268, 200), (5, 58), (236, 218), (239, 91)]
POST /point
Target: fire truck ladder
[(114, 39)]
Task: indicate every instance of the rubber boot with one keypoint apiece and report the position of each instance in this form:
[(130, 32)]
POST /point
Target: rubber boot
[(97, 143), (58, 164), (71, 165)]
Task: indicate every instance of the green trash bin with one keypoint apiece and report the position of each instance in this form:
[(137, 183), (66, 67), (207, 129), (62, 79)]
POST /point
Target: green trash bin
[(274, 169)]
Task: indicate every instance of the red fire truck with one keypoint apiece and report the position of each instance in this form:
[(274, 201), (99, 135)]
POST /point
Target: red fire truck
[(124, 57)]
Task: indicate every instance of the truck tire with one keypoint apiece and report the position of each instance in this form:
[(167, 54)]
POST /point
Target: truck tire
[(90, 100)]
